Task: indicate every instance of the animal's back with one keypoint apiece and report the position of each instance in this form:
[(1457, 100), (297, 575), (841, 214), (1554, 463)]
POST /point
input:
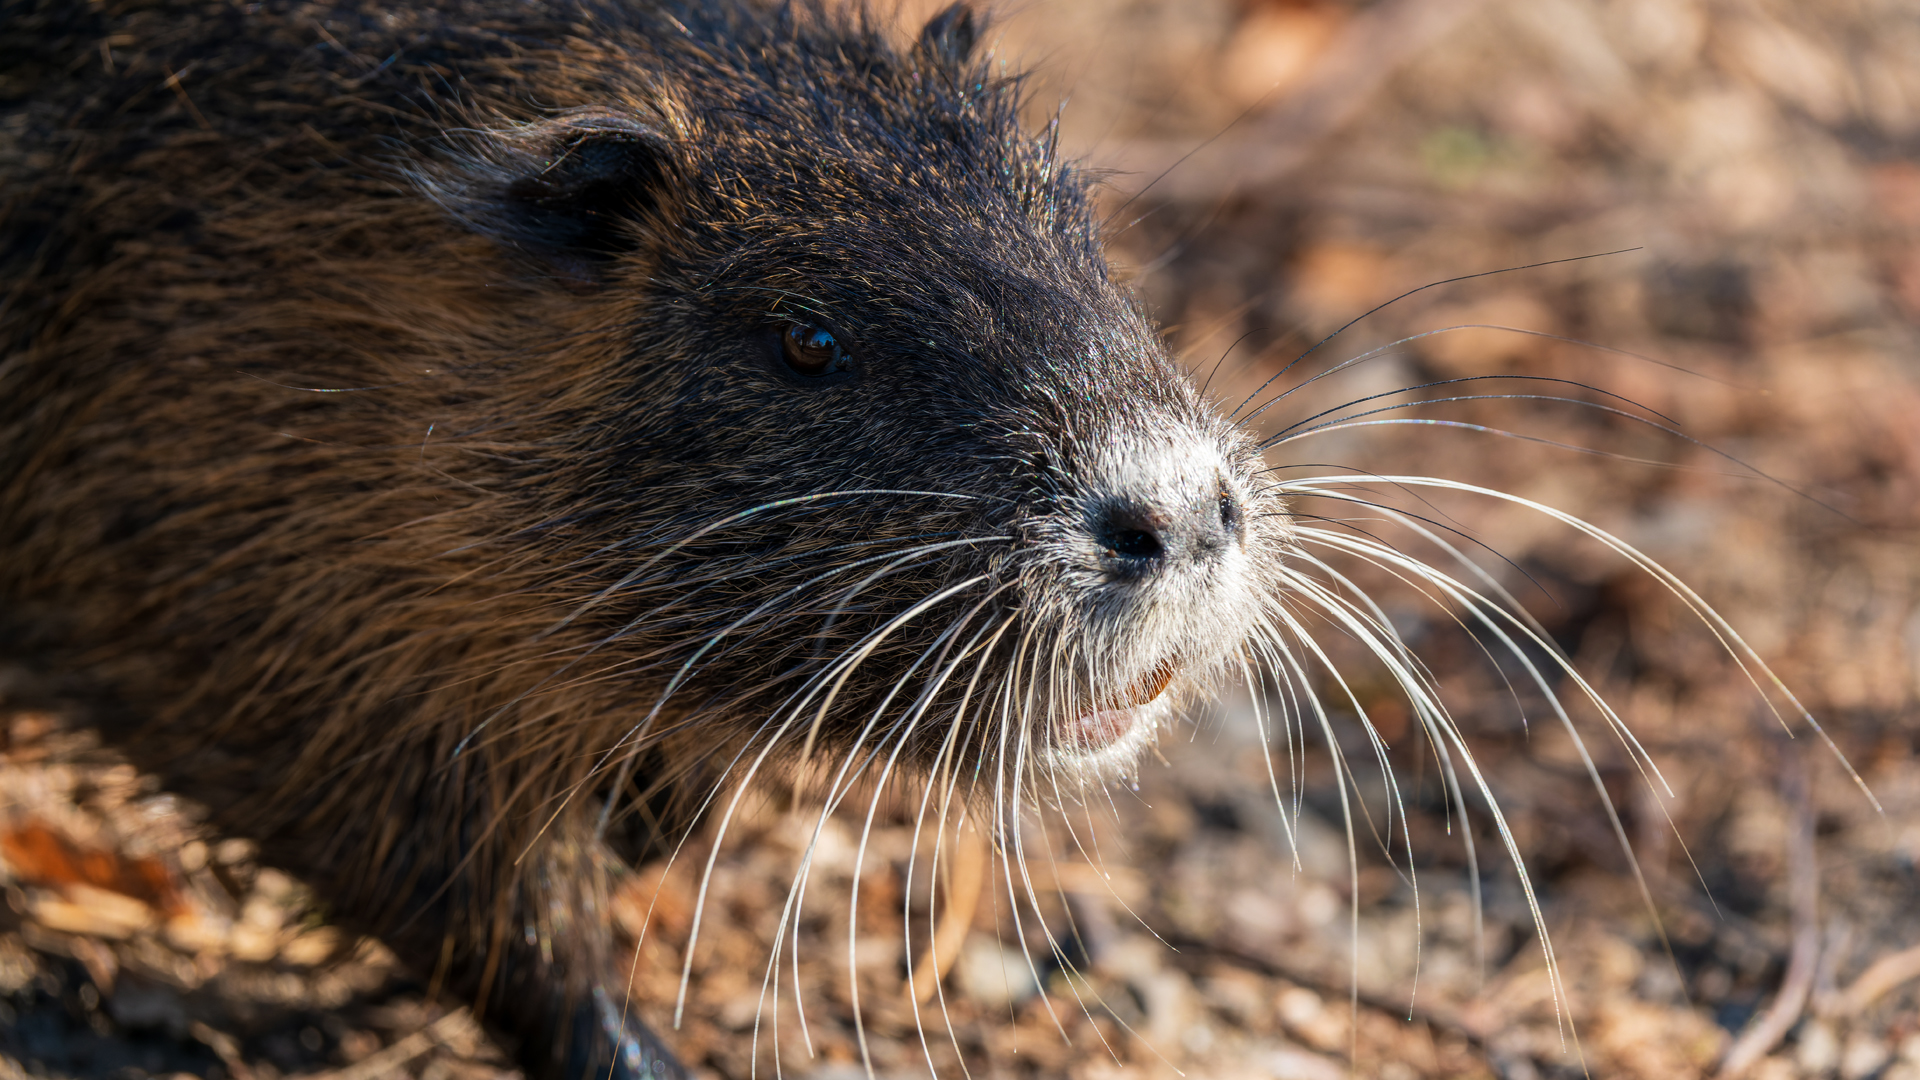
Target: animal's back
[(224, 311)]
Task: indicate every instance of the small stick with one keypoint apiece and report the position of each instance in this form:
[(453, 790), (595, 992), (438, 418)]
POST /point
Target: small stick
[(1797, 983), (969, 867), (1881, 976), (388, 1061), (225, 1047)]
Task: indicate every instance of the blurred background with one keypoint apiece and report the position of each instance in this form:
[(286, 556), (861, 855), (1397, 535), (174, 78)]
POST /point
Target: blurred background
[(1739, 186)]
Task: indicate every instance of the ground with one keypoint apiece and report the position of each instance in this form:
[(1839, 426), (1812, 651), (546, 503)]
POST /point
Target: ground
[(1739, 185)]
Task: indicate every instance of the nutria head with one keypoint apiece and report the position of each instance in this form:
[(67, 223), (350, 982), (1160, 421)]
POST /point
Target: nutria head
[(895, 462)]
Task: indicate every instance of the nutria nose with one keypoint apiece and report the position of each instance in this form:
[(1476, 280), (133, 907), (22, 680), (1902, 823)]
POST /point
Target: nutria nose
[(1144, 536)]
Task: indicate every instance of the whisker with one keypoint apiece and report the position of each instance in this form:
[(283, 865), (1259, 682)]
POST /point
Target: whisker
[(905, 728), (943, 762), (845, 667), (899, 559), (1758, 673), (1308, 424), (740, 516), (1377, 308), (1382, 350)]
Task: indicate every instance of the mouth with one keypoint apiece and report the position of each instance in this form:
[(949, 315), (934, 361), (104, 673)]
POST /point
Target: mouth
[(1116, 730)]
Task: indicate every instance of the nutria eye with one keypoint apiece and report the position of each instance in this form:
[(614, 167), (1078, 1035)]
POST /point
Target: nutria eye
[(810, 350)]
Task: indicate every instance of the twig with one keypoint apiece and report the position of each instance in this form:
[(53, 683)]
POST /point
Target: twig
[(1797, 982), (225, 1047), (388, 1061), (963, 898), (1881, 976), (1191, 951)]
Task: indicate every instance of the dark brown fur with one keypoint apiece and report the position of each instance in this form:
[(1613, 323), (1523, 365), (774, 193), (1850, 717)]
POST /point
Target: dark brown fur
[(392, 433)]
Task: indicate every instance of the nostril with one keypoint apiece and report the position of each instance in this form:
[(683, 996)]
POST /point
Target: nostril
[(1135, 544), (1130, 532)]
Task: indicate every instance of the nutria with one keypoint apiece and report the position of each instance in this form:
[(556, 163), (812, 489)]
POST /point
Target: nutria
[(454, 444), (455, 440)]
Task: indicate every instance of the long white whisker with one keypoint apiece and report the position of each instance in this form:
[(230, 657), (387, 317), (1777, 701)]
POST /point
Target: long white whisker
[(943, 781), (638, 731), (846, 775), (845, 667), (1758, 673), (927, 696)]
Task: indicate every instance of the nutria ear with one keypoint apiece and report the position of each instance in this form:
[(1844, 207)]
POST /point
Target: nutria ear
[(571, 191), (951, 35)]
